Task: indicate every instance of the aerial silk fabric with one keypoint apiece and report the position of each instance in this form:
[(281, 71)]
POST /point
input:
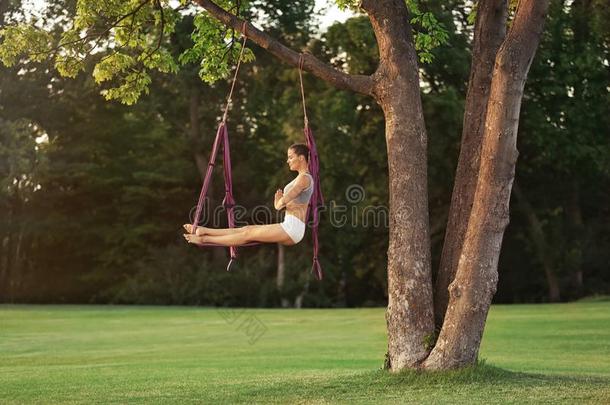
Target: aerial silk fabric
[(317, 200)]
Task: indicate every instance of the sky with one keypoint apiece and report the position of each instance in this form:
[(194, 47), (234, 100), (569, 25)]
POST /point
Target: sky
[(332, 14)]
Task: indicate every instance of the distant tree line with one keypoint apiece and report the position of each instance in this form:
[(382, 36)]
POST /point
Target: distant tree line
[(93, 194)]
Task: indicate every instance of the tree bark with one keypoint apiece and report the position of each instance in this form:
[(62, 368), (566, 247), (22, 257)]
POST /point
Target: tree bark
[(298, 301), (489, 32), (540, 244), (5, 258), (9, 248), (17, 279), (3, 264), (576, 234), (195, 132), (409, 316), (281, 274), (475, 283)]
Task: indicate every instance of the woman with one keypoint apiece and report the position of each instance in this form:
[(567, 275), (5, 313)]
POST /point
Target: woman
[(295, 198)]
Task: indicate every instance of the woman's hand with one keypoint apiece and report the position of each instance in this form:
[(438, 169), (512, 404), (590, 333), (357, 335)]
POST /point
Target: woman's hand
[(276, 202), (279, 194)]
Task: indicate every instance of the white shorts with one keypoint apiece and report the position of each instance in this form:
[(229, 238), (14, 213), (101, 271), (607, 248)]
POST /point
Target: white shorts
[(294, 227)]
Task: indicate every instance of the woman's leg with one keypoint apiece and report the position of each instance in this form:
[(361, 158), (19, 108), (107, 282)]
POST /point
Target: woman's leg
[(273, 233), (202, 230)]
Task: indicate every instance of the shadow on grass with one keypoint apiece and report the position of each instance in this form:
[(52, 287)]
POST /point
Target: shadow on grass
[(481, 382), (484, 374)]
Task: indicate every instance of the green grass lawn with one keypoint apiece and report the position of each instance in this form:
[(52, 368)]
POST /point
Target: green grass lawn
[(117, 354)]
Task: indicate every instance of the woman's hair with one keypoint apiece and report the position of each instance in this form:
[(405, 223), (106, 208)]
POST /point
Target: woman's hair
[(301, 150)]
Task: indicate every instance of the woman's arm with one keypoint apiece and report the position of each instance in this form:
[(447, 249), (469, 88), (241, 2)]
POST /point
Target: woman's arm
[(300, 184)]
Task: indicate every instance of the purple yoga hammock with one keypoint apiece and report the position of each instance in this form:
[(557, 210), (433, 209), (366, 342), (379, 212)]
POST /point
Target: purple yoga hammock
[(222, 140)]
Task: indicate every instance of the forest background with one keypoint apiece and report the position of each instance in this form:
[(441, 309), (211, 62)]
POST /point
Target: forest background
[(93, 193)]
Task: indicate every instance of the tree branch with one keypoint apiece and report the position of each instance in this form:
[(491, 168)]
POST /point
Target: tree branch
[(358, 83), (131, 13), (98, 37)]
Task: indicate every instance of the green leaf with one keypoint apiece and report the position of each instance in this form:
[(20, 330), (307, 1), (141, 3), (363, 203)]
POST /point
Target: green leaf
[(347, 4), (111, 66), (213, 50), (429, 32), (134, 84), (24, 40)]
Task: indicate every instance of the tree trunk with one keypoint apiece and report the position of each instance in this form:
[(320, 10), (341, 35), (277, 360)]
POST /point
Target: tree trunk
[(298, 301), (409, 316), (8, 257), (3, 264), (195, 132), (540, 244), (576, 234), (581, 12), (281, 273), (476, 279), (17, 270), (489, 32), (5, 257)]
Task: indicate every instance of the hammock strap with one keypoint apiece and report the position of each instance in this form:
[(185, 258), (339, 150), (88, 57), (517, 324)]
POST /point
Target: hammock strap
[(228, 202), (222, 138), (317, 199), (241, 54), (208, 175), (301, 61)]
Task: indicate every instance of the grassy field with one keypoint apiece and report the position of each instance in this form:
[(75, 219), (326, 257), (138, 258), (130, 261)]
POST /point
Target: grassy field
[(94, 354)]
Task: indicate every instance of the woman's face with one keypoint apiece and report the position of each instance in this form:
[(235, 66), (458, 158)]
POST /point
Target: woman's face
[(293, 159)]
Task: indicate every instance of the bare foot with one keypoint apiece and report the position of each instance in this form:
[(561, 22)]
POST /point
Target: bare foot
[(194, 239), (201, 230)]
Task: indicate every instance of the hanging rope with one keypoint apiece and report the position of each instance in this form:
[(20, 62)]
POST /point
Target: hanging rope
[(302, 89), (241, 54)]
